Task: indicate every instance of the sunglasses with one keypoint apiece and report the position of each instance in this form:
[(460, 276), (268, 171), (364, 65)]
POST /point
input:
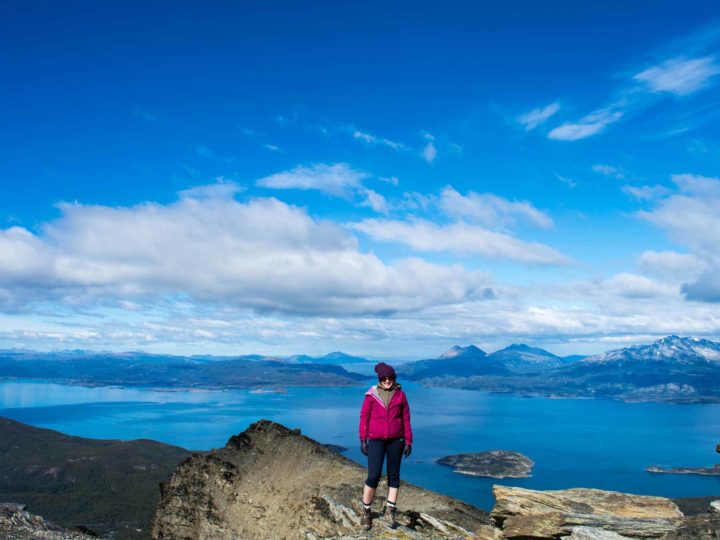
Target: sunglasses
[(383, 379)]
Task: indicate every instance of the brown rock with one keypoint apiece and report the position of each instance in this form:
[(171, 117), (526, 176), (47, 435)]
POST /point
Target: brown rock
[(524, 513)]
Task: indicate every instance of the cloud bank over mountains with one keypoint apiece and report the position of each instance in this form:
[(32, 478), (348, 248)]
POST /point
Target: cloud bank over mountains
[(278, 275)]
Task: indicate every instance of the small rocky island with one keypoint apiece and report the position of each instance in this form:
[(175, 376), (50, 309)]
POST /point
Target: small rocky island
[(705, 471), (494, 463)]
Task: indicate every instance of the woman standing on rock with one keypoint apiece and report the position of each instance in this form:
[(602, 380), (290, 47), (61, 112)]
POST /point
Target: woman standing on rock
[(384, 432)]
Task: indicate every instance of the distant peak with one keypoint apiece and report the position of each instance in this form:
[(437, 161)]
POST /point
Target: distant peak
[(518, 347), (458, 351), (523, 348), (336, 354)]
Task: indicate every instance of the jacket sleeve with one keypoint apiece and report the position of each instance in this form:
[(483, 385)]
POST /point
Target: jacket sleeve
[(365, 417), (407, 429)]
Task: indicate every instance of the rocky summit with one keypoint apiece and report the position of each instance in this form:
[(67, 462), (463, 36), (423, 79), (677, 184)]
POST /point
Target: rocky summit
[(273, 482)]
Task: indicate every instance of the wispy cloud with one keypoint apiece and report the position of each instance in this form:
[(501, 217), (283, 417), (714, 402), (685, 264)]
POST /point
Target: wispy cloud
[(372, 139), (592, 124), (429, 153), (222, 189), (460, 238), (338, 180), (203, 151), (609, 170), (491, 210), (679, 76), (646, 193), (566, 180), (538, 116)]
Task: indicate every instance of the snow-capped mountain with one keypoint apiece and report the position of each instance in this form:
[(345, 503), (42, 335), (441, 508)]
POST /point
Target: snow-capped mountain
[(678, 350)]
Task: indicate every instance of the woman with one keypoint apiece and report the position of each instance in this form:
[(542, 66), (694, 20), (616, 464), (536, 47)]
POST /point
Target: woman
[(384, 432)]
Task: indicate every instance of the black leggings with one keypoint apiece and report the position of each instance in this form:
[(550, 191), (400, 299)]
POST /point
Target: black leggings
[(377, 450)]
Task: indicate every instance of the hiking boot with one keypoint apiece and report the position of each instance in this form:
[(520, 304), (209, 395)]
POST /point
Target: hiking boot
[(366, 518), (390, 516)]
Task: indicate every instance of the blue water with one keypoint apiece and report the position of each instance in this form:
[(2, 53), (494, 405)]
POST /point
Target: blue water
[(574, 443)]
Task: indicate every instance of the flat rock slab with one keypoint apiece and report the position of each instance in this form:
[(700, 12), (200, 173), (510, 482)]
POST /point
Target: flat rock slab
[(525, 513), (493, 463)]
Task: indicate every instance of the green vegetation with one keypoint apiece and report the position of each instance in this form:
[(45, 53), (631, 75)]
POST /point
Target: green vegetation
[(107, 486)]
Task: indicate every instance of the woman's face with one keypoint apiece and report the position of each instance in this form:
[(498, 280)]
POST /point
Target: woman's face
[(387, 382)]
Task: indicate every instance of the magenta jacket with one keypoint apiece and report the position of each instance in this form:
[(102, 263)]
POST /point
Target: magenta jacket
[(378, 422)]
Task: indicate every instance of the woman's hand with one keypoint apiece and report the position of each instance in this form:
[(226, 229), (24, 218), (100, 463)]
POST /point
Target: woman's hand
[(408, 450), (364, 446)]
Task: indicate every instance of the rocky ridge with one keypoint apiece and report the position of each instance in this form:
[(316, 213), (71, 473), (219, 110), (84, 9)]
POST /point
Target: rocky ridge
[(273, 482)]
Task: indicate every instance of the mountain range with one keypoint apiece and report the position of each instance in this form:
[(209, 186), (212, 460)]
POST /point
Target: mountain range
[(676, 369), (142, 369)]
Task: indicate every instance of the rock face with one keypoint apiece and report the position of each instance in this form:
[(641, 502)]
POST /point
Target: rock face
[(17, 524), (272, 482), (524, 513), (494, 463)]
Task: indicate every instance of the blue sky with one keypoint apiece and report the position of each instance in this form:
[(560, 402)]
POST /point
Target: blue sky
[(387, 180)]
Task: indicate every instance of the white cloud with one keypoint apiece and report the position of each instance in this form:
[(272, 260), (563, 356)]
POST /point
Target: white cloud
[(222, 189), (372, 139), (671, 264), (565, 180), (538, 116), (592, 124), (263, 254), (679, 76), (629, 285), (646, 193), (691, 219), (375, 201), (339, 180), (609, 170), (460, 238), (429, 153), (491, 210)]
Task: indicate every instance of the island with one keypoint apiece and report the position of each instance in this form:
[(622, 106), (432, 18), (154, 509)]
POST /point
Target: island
[(493, 463)]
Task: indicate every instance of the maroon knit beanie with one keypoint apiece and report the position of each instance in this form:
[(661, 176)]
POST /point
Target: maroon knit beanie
[(384, 370)]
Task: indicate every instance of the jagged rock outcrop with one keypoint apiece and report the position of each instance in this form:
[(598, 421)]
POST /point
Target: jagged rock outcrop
[(524, 513), (493, 463), (273, 482), (17, 524)]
